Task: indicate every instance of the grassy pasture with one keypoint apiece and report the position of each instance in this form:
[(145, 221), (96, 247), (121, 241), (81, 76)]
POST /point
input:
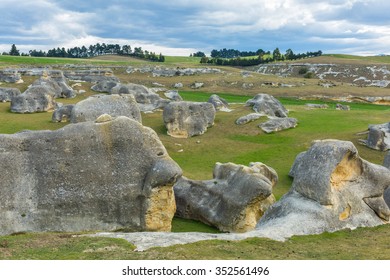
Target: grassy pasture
[(224, 142)]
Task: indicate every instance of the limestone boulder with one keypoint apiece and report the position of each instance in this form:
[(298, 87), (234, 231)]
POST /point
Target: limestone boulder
[(187, 119), (333, 189), (34, 99), (342, 107), (58, 77), (233, 201), (92, 176), (378, 137), (173, 95), (62, 113), (10, 76), (104, 85), (6, 94), (219, 103), (268, 105), (249, 118), (277, 124), (146, 98), (114, 105), (91, 75)]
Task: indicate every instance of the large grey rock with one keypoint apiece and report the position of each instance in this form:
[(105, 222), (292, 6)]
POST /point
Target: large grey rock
[(91, 75), (333, 189), (277, 124), (146, 98), (233, 201), (6, 94), (10, 76), (62, 113), (34, 99), (267, 104), (219, 103), (59, 78), (104, 85), (378, 137), (103, 175), (249, 118), (114, 105), (187, 119)]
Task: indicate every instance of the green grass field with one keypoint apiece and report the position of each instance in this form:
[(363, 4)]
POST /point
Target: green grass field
[(224, 142)]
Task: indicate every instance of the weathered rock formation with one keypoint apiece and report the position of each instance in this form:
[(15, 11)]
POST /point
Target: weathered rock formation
[(6, 94), (342, 107), (378, 137), (249, 118), (233, 201), (10, 76), (277, 124), (173, 95), (317, 106), (146, 98), (114, 105), (170, 72), (56, 83), (187, 119), (34, 99), (62, 113), (268, 105), (91, 75), (219, 103), (197, 85), (104, 85), (333, 189), (103, 175)]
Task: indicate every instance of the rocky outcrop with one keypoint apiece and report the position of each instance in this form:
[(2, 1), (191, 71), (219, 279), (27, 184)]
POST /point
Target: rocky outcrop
[(173, 95), (333, 189), (56, 83), (105, 175), (62, 113), (267, 104), (34, 99), (219, 103), (232, 201), (105, 85), (378, 137), (114, 105), (249, 118), (170, 72), (342, 107), (146, 98), (197, 85), (91, 75), (317, 106), (187, 119), (277, 124), (6, 94), (10, 76)]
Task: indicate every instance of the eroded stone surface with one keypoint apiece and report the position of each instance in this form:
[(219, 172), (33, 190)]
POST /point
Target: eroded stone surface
[(6, 94), (277, 124), (187, 119), (233, 201), (88, 176), (268, 105), (34, 99), (333, 188), (219, 103), (378, 137), (114, 105)]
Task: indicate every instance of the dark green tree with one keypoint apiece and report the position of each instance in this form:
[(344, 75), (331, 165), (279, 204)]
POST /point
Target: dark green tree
[(14, 50)]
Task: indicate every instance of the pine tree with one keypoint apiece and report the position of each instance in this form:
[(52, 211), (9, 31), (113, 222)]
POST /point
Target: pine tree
[(14, 51)]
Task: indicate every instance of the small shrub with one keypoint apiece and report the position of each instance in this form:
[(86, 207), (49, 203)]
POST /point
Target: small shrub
[(309, 75), (303, 70)]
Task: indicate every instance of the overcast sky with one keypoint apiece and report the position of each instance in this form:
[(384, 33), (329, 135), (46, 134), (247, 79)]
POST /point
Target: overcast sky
[(180, 27)]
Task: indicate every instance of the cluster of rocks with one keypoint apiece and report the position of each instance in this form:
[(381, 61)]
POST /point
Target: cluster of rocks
[(40, 96), (146, 98), (357, 75), (158, 71), (267, 105), (10, 76)]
